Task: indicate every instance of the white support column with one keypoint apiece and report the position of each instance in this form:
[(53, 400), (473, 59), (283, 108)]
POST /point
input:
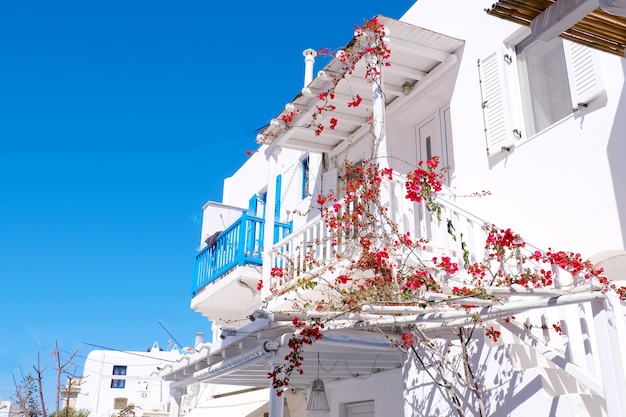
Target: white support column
[(609, 355), (378, 109), (176, 395), (270, 205), (277, 403)]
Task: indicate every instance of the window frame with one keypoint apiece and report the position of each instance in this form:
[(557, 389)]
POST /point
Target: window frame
[(526, 82), (120, 369), (118, 383), (504, 115), (305, 163)]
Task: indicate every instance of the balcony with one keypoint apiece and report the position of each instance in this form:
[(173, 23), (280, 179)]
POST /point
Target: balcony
[(226, 269), (312, 251)]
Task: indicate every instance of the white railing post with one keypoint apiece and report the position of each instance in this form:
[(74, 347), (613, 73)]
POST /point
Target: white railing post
[(609, 356), (268, 235)]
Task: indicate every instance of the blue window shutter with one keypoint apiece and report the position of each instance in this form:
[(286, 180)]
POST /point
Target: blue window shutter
[(279, 179), (496, 114), (252, 205)]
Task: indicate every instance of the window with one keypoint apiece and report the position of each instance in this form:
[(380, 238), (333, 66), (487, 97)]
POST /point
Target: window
[(119, 370), (433, 134), (544, 84), (554, 79), (119, 403), (306, 172), (118, 383)]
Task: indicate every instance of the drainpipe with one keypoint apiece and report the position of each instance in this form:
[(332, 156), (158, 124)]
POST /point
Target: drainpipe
[(309, 60)]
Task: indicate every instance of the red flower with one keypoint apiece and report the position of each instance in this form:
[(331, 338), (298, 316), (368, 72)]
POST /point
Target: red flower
[(355, 103), (319, 129), (407, 340), (342, 279), (323, 51), (493, 334), (288, 118), (446, 264), (333, 123)]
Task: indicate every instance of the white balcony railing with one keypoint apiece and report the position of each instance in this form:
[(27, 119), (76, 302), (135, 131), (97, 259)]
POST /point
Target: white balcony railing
[(452, 232)]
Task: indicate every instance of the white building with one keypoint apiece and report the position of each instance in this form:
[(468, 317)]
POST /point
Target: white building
[(8, 409), (113, 380), (536, 119)]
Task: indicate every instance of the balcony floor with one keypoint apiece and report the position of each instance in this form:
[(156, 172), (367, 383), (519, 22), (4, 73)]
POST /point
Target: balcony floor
[(231, 297)]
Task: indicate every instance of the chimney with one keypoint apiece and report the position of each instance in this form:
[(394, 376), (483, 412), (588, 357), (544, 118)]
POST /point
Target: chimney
[(199, 339), (309, 60)]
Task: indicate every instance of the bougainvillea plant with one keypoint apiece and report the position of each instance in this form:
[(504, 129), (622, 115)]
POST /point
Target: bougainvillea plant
[(375, 262)]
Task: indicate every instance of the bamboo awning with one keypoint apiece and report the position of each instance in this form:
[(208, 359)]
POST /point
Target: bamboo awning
[(599, 29)]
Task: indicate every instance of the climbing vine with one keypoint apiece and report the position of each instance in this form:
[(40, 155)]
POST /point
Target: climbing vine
[(376, 262)]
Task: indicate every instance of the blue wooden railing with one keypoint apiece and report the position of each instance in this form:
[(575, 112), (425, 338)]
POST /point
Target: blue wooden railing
[(240, 244)]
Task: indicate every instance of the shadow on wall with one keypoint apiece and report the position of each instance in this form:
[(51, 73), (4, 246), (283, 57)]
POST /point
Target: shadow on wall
[(514, 379), (496, 374), (616, 151)]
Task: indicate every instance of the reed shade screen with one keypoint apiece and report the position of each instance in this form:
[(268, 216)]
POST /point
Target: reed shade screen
[(599, 29)]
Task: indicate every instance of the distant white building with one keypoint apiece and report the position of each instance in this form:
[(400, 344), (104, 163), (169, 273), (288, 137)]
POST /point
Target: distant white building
[(8, 409), (113, 380)]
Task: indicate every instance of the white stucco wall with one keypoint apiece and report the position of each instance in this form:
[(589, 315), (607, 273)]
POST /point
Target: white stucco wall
[(515, 382), (384, 388), (563, 188), (253, 178), (249, 179)]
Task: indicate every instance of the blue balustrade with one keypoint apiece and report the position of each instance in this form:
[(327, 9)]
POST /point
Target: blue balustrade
[(240, 244)]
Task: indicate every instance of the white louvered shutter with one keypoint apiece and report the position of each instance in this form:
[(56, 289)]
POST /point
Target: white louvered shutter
[(330, 180), (496, 114), (583, 73)]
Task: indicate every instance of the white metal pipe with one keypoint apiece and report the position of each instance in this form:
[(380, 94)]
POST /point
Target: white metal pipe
[(344, 340), (486, 313), (539, 292), (229, 365)]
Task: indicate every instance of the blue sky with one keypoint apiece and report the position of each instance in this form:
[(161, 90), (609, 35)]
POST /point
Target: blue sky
[(118, 121)]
